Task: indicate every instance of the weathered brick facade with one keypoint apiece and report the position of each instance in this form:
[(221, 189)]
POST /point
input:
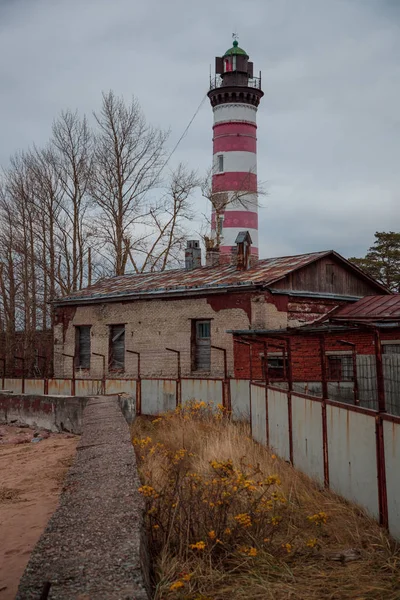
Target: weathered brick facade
[(151, 326), (305, 349)]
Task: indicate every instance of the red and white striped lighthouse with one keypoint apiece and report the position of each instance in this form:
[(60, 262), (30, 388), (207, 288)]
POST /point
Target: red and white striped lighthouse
[(234, 95)]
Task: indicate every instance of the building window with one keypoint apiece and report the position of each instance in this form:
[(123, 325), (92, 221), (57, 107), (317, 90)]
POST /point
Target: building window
[(277, 368), (227, 65), (201, 345), (82, 346), (220, 163), (340, 368), (116, 360), (391, 348)]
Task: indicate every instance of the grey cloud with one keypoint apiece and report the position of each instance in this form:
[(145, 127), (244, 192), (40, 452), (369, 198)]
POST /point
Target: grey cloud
[(329, 123)]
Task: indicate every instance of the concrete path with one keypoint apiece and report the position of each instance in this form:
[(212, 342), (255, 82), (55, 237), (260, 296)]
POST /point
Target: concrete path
[(92, 545)]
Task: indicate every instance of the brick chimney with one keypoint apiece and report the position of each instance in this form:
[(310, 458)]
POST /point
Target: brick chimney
[(192, 255), (243, 253), (212, 253)]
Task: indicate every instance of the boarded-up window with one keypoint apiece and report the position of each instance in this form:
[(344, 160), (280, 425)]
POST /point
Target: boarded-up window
[(82, 346), (117, 348), (201, 345), (340, 368)]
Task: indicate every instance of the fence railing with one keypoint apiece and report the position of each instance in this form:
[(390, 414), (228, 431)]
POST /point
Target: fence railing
[(240, 81), (351, 449)]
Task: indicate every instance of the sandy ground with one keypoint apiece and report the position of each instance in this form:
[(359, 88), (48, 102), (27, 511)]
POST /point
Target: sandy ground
[(31, 476)]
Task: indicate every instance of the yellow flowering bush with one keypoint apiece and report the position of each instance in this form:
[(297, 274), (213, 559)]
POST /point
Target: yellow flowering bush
[(209, 512), (318, 519)]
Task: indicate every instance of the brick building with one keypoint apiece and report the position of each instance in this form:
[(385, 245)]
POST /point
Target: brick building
[(191, 310), (348, 348)]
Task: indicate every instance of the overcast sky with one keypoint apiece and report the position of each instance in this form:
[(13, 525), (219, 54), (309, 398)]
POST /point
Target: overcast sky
[(328, 125)]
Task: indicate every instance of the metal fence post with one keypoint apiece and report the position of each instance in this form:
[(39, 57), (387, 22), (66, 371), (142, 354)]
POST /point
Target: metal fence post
[(73, 371), (323, 411), (251, 378), (138, 384), (22, 359), (379, 372), (178, 381), (266, 382), (3, 361), (289, 393), (380, 445), (103, 379), (226, 400)]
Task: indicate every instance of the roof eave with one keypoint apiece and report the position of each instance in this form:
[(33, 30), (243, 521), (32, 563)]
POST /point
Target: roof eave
[(155, 295)]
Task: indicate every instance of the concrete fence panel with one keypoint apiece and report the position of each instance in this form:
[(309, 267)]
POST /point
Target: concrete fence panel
[(207, 390), (158, 396), (13, 385), (391, 433), (240, 399), (308, 455), (34, 386), (88, 387), (278, 423), (121, 386), (258, 414), (352, 456), (60, 387)]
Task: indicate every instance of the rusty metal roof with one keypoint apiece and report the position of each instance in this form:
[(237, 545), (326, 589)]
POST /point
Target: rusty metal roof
[(199, 281), (371, 308), (178, 281)]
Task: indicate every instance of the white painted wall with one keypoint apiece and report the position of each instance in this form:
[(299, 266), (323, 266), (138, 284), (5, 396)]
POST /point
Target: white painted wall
[(234, 112), (236, 162)]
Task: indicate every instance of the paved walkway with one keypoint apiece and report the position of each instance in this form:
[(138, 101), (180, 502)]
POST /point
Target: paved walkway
[(91, 547)]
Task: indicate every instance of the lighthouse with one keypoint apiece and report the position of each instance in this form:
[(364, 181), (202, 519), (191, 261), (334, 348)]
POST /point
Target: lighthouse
[(234, 96)]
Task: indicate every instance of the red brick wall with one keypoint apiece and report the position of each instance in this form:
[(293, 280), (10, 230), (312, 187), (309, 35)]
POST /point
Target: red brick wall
[(306, 358)]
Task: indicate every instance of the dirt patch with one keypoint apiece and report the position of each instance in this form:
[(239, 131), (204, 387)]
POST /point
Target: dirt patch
[(31, 476)]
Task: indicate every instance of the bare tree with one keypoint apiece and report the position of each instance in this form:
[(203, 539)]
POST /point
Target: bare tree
[(84, 207), (129, 155), (72, 157), (165, 233)]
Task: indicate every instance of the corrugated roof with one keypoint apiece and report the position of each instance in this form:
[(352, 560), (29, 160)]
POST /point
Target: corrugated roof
[(371, 308), (266, 272)]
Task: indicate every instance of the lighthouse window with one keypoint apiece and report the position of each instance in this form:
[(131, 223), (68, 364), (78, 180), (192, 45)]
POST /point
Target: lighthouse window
[(220, 163), (228, 66)]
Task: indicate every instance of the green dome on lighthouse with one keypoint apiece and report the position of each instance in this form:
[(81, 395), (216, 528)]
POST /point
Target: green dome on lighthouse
[(235, 50)]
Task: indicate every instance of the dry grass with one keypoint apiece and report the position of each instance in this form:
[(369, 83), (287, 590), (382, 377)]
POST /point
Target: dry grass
[(295, 558)]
